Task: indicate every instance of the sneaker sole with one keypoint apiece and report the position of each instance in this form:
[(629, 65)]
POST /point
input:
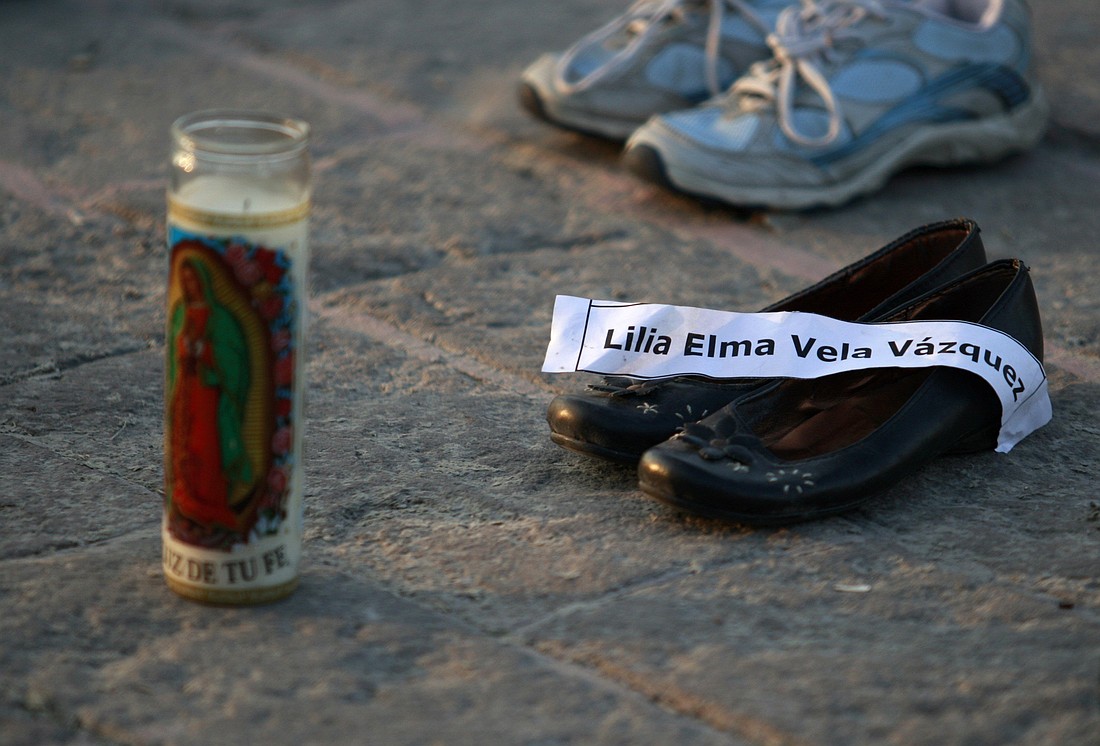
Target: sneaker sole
[(959, 144), (572, 120)]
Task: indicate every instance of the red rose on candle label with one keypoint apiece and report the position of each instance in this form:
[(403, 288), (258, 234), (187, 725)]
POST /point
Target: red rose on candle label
[(270, 308), (282, 439), (247, 272), (277, 480), (272, 272), (236, 253), (284, 370), (280, 340), (283, 406)]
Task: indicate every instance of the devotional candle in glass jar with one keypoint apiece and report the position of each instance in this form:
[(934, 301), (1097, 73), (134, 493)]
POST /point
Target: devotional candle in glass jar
[(238, 212)]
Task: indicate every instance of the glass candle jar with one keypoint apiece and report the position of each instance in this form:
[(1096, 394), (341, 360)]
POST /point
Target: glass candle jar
[(238, 211)]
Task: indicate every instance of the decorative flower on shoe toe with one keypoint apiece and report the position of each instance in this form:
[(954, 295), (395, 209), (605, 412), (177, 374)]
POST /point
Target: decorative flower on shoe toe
[(688, 415), (794, 480)]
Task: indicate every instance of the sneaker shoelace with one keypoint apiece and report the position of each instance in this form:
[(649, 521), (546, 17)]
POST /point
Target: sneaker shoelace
[(804, 38), (641, 22)]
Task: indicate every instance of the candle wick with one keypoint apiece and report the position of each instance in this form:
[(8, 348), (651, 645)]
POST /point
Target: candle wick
[(247, 204)]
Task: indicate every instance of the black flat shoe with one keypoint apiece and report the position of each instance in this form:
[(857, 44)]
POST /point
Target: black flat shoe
[(798, 449), (620, 418)]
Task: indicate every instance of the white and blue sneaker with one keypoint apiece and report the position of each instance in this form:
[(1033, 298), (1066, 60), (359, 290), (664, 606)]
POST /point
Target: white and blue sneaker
[(856, 91), (659, 56)]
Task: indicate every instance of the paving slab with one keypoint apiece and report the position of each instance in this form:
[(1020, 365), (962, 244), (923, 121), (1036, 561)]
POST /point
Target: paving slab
[(466, 581)]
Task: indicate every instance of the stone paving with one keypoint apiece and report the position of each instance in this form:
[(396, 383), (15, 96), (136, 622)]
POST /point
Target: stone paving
[(466, 581)]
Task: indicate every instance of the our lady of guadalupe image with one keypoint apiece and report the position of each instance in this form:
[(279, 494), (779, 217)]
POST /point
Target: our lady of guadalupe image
[(219, 400)]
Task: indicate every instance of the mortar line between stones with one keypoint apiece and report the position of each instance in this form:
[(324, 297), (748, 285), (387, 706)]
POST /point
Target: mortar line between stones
[(613, 192), (57, 367), (625, 682), (392, 336), (24, 185), (387, 115), (680, 704), (684, 704), (612, 595), (630, 684), (153, 530), (1084, 367)]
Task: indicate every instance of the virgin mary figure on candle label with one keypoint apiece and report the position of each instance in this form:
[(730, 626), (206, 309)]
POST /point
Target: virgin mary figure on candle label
[(208, 382)]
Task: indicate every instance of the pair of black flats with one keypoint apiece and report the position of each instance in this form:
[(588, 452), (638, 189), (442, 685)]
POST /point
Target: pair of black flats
[(779, 451)]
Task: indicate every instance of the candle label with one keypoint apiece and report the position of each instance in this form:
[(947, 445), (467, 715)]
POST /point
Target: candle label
[(229, 394)]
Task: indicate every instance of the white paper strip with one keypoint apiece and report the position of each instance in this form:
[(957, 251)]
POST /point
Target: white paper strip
[(648, 340)]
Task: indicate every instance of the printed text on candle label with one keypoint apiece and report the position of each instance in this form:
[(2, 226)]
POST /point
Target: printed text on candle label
[(240, 571)]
